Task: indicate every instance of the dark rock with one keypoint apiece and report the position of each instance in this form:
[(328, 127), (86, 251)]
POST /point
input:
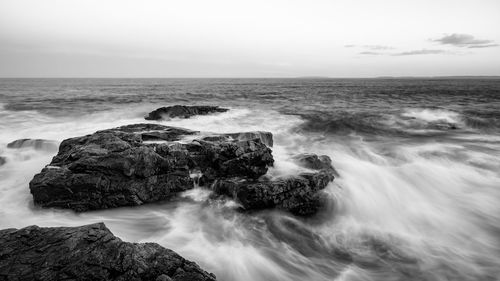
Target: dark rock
[(115, 167), (297, 194), (183, 111), (217, 159), (3, 160), (37, 144), (89, 252), (315, 162)]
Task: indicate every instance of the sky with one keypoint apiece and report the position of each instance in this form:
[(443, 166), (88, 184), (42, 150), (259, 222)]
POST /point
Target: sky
[(258, 38)]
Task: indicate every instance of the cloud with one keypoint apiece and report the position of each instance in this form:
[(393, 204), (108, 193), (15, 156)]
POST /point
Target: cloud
[(420, 52), (408, 53), (370, 53), (484, 46), (465, 40)]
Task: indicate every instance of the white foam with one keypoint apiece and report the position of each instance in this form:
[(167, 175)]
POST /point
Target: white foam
[(430, 196), (433, 115)]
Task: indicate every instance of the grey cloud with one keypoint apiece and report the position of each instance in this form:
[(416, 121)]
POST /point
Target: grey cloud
[(407, 53), (484, 46), (420, 52), (465, 40), (370, 53)]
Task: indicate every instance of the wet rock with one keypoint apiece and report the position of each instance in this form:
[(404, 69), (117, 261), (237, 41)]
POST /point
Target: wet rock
[(296, 194), (218, 158), (315, 162), (37, 144), (120, 167), (183, 111), (89, 252)]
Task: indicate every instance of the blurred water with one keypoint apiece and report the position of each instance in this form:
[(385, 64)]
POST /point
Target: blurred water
[(417, 198)]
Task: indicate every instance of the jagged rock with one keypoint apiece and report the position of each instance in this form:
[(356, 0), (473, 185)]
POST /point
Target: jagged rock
[(315, 162), (116, 167), (89, 252), (37, 144), (183, 111), (250, 158), (297, 194)]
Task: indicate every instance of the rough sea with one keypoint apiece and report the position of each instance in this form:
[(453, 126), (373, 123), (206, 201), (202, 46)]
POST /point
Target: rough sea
[(418, 196)]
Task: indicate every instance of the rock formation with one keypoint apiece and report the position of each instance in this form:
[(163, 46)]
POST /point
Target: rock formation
[(296, 194), (136, 164), (183, 111), (89, 252), (140, 163)]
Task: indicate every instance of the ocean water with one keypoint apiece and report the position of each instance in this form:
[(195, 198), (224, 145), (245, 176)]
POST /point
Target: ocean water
[(418, 197)]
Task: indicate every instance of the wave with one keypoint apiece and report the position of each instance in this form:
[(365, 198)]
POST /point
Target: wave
[(401, 209), (411, 122), (433, 115)]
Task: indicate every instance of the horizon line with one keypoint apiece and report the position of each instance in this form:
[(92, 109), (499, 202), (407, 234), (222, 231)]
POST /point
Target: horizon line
[(255, 77)]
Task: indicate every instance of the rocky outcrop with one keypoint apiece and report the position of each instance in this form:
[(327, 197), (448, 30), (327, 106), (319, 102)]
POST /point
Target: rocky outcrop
[(216, 159), (37, 144), (183, 111), (140, 163), (297, 194), (89, 252)]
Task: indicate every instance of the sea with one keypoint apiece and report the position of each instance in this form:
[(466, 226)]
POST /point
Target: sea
[(417, 196)]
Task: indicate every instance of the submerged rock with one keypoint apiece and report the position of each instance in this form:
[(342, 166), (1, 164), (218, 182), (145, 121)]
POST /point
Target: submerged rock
[(296, 194), (183, 111), (37, 144), (89, 252), (140, 163), (315, 162)]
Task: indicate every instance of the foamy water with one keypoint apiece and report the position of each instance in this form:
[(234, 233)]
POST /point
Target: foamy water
[(405, 208)]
